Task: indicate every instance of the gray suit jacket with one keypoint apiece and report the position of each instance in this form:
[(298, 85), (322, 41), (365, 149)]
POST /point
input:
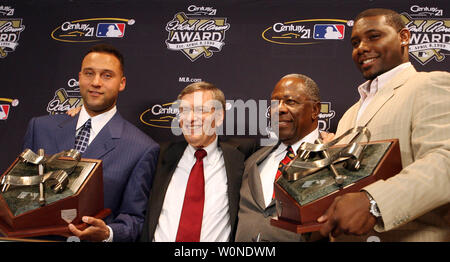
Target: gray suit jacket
[(254, 217)]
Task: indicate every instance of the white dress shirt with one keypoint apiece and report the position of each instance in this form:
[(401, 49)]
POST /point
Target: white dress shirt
[(268, 168), (216, 225), (97, 123), (369, 88)]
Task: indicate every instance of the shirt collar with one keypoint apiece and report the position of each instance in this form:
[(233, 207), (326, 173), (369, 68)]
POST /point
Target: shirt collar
[(98, 121), (210, 149), (310, 138), (370, 87)]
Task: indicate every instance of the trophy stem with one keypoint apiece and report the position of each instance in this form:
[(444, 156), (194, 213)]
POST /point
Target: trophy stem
[(41, 185)]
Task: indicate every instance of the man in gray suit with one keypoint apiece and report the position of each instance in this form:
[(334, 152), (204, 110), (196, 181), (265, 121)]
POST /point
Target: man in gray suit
[(298, 110)]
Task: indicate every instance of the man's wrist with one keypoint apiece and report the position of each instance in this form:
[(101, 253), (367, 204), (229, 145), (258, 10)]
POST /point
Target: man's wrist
[(373, 208), (111, 235)]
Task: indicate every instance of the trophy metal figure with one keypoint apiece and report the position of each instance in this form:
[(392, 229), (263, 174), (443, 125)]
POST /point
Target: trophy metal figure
[(322, 171), (57, 180)]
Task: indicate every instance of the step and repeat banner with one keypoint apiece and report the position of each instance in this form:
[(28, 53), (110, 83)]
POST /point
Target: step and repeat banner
[(244, 47)]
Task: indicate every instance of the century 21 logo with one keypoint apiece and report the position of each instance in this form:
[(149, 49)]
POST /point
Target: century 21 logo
[(91, 30)]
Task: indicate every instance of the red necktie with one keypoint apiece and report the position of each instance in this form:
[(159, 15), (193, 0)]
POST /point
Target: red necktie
[(289, 156), (192, 213)]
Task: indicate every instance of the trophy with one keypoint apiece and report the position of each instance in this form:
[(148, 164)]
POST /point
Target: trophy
[(321, 172), (40, 195)]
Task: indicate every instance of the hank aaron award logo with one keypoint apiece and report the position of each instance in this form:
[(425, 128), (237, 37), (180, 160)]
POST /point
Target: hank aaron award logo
[(10, 29), (65, 99), (198, 33), (430, 33)]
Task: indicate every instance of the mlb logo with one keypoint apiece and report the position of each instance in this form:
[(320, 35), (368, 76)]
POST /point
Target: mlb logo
[(329, 31), (4, 111), (110, 29)]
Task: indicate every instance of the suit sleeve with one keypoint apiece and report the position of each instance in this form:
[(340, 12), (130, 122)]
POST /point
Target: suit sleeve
[(28, 140), (127, 226), (424, 184)]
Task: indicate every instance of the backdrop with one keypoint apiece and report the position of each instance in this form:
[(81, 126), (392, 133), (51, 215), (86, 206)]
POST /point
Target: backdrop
[(244, 47)]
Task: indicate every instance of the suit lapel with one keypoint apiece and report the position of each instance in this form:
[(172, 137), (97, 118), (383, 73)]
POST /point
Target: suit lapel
[(106, 140), (254, 178), (65, 134), (384, 95), (168, 162)]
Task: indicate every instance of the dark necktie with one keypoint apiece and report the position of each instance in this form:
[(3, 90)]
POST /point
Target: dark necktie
[(192, 213), (82, 139), (288, 158)]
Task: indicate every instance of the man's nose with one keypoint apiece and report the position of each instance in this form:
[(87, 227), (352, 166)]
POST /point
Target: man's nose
[(282, 107), (97, 81), (362, 47)]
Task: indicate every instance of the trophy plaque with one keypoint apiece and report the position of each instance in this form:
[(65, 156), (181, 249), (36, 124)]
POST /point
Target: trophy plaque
[(321, 172), (40, 195)]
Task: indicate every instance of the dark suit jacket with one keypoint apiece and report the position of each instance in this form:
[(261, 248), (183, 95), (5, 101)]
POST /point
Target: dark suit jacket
[(129, 160), (234, 154)]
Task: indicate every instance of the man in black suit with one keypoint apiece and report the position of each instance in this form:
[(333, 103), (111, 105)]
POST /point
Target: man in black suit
[(183, 207)]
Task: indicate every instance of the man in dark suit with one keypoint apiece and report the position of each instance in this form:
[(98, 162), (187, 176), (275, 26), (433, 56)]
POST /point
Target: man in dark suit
[(201, 108), (129, 156), (298, 110)]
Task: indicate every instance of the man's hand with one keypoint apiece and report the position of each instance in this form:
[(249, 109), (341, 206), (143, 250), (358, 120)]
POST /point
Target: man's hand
[(349, 214), (73, 111), (326, 137), (98, 231)]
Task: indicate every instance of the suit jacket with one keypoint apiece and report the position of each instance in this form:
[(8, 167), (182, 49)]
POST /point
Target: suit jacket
[(129, 160), (234, 155), (415, 108), (254, 217)]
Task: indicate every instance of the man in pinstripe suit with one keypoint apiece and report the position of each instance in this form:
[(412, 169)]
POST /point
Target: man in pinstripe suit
[(397, 102), (129, 156)]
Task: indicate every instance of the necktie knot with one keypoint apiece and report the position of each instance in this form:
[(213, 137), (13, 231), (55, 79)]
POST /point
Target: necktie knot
[(87, 125), (200, 154), (290, 152)]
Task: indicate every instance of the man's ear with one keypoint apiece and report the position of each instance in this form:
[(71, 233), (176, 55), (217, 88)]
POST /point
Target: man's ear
[(220, 115), (405, 36), (316, 110), (123, 83)]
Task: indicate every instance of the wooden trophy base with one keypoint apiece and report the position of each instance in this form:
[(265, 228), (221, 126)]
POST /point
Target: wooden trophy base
[(59, 230), (295, 226), (84, 197)]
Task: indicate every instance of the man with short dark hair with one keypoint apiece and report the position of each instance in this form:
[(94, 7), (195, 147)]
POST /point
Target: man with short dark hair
[(99, 132), (397, 102), (195, 194), (298, 108)]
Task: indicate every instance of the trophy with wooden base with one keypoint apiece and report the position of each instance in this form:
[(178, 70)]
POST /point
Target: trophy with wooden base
[(40, 195), (321, 172)]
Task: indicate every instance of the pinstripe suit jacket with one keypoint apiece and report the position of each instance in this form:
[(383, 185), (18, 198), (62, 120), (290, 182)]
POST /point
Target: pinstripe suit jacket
[(415, 108), (129, 160)]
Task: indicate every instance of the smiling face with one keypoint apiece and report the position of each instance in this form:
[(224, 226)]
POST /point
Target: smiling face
[(101, 79), (297, 113), (200, 114), (377, 46)]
